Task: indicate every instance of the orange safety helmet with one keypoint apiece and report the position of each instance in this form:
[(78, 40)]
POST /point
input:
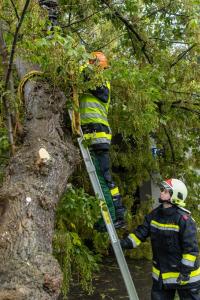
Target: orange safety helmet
[(100, 59)]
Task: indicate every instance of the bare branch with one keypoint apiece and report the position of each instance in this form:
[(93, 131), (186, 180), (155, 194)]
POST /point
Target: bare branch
[(187, 109), (4, 55), (82, 20), (162, 9), (130, 27), (167, 134), (170, 143), (185, 102), (132, 42), (168, 41), (186, 93), (82, 40), (15, 9), (3, 51), (14, 43), (70, 13), (6, 103), (183, 54), (109, 42)]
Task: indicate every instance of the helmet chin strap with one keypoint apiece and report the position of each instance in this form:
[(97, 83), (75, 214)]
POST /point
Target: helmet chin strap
[(164, 201)]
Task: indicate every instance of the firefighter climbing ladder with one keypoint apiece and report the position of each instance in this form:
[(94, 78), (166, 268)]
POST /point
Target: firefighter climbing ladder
[(108, 221)]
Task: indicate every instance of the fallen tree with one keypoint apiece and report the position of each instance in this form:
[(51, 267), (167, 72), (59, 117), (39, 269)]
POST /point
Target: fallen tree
[(35, 179)]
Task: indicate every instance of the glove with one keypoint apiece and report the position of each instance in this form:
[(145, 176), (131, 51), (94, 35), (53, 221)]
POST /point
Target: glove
[(126, 243), (183, 279)]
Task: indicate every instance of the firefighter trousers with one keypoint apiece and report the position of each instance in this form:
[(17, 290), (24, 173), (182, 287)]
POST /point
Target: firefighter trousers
[(102, 156), (158, 293)]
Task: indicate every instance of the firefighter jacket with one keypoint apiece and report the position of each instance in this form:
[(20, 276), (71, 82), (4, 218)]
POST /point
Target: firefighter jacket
[(173, 237), (94, 105)]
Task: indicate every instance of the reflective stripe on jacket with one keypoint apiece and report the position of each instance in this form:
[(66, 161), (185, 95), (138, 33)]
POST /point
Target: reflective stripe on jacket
[(171, 277), (98, 137), (93, 110), (174, 245)]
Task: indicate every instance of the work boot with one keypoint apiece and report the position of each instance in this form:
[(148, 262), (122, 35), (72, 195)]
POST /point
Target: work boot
[(119, 224)]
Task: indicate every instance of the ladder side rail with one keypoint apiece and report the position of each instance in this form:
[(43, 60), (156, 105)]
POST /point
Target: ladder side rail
[(107, 218), (108, 222)]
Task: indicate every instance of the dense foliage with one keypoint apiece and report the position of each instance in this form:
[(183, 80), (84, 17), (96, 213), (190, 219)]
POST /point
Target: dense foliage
[(76, 215), (153, 52)]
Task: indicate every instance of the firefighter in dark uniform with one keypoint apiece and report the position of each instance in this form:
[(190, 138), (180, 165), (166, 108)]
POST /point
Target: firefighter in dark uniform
[(94, 105), (173, 236)]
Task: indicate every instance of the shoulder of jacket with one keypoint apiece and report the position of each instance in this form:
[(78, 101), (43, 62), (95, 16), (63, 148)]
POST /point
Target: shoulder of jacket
[(185, 213), (156, 208)]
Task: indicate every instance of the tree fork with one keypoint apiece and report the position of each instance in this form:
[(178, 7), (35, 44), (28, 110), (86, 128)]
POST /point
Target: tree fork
[(35, 180)]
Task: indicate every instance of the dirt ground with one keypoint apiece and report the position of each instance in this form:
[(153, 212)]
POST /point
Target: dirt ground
[(109, 284)]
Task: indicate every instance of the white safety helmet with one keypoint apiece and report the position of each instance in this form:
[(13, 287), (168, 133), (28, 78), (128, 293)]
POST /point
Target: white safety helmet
[(177, 190)]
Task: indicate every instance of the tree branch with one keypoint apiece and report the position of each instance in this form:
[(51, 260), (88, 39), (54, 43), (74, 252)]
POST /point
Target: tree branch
[(3, 51), (82, 40), (15, 42), (186, 93), (187, 109), (157, 11), (129, 27), (109, 42), (15, 9), (168, 41), (82, 20), (7, 77), (167, 134), (170, 143), (6, 104), (181, 55), (185, 102)]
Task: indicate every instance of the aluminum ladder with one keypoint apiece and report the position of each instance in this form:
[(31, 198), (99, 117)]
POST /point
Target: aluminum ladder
[(108, 221)]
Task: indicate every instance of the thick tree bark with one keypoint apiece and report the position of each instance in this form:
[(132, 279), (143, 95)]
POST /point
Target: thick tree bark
[(29, 195)]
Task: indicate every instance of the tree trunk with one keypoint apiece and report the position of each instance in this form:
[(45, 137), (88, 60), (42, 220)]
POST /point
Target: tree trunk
[(35, 180)]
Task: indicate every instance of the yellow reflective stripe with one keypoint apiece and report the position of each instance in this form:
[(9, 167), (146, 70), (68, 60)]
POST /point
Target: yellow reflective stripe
[(94, 120), (87, 112), (195, 273), (88, 98), (134, 239), (156, 271), (184, 282), (176, 274), (189, 257), (164, 225), (170, 275), (96, 135), (91, 105), (114, 191)]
